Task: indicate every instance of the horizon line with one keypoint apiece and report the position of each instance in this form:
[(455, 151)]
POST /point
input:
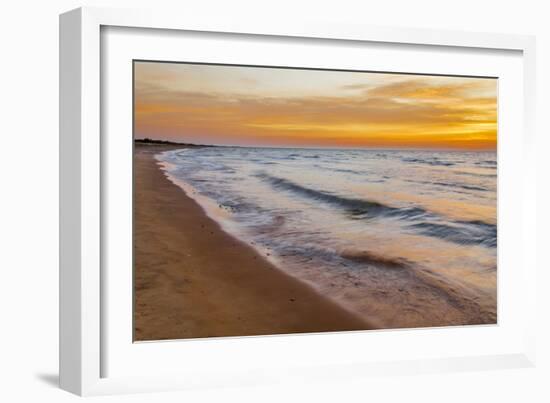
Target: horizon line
[(171, 142)]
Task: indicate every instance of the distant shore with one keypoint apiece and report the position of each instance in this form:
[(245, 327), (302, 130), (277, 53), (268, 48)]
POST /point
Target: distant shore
[(167, 143), (192, 279)]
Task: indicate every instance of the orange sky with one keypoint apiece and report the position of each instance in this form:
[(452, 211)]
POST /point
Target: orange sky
[(235, 105)]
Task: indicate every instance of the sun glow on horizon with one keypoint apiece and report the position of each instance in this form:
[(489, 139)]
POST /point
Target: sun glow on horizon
[(260, 106)]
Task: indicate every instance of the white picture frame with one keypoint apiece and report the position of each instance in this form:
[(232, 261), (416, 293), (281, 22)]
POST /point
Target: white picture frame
[(86, 346)]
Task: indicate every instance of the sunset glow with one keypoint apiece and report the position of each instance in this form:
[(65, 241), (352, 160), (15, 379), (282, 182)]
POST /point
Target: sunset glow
[(275, 107)]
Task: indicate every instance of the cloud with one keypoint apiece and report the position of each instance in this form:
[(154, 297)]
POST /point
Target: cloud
[(413, 111), (425, 89)]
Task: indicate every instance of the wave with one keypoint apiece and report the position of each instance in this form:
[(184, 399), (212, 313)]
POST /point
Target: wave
[(427, 223), (433, 161), (477, 174), (345, 171), (372, 258), (359, 208), (451, 185), (460, 232), (341, 170), (487, 164), (461, 186)]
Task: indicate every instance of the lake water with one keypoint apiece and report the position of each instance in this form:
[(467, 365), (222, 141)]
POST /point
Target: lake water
[(402, 238)]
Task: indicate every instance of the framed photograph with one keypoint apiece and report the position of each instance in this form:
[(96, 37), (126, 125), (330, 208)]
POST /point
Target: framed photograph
[(261, 202)]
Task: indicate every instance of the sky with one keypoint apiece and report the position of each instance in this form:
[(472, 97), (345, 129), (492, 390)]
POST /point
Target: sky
[(281, 107)]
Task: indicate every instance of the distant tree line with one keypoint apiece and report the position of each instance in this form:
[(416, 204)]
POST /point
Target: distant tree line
[(147, 140)]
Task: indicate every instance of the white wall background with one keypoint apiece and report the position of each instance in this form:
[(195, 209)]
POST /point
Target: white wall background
[(29, 210)]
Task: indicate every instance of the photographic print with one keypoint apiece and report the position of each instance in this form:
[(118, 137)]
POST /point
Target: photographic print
[(274, 200)]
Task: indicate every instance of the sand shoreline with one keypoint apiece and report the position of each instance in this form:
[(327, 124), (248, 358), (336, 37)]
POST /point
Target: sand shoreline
[(193, 280)]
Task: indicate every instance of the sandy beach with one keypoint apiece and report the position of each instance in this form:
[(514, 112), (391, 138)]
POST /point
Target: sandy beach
[(192, 280)]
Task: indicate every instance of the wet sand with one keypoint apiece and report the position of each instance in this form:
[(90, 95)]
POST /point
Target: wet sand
[(192, 280)]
